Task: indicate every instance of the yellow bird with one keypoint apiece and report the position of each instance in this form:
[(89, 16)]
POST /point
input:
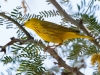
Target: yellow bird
[(52, 32)]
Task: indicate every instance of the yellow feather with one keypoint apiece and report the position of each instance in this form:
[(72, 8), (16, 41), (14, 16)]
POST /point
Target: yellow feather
[(52, 32)]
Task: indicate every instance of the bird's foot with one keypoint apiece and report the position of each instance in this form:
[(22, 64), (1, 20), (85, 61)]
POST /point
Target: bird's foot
[(54, 47)]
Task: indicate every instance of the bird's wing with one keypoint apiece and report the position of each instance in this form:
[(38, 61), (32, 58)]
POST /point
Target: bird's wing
[(56, 27)]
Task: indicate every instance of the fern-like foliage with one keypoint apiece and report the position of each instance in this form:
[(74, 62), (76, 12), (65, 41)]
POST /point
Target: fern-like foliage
[(50, 13), (31, 67), (91, 22), (32, 54), (1, 21), (82, 47), (29, 55), (96, 73), (7, 59)]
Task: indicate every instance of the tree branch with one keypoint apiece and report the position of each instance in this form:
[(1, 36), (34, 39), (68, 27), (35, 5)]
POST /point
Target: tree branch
[(73, 21), (16, 23), (62, 63), (14, 40), (53, 53)]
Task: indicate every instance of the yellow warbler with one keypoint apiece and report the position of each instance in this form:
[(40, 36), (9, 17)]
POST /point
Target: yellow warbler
[(52, 32)]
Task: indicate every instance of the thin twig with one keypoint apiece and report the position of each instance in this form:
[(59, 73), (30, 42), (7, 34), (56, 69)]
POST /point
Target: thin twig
[(13, 40), (89, 6), (16, 23), (21, 42)]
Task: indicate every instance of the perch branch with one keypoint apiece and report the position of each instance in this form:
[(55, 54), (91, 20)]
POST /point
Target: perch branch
[(53, 53), (13, 40), (62, 63), (20, 41), (15, 22)]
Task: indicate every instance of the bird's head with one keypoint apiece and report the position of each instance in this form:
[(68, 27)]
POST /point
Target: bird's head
[(31, 22)]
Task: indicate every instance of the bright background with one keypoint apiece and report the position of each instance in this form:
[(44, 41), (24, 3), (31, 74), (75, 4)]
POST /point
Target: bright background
[(35, 6)]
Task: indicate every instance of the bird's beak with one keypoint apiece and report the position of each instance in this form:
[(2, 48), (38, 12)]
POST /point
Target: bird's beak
[(22, 25)]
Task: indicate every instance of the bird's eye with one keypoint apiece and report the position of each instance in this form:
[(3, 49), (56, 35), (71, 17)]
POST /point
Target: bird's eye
[(28, 19)]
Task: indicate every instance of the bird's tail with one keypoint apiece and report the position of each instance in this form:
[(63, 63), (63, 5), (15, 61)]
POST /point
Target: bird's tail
[(87, 37), (70, 35)]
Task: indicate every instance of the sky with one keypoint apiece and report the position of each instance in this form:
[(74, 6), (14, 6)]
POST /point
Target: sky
[(35, 6)]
